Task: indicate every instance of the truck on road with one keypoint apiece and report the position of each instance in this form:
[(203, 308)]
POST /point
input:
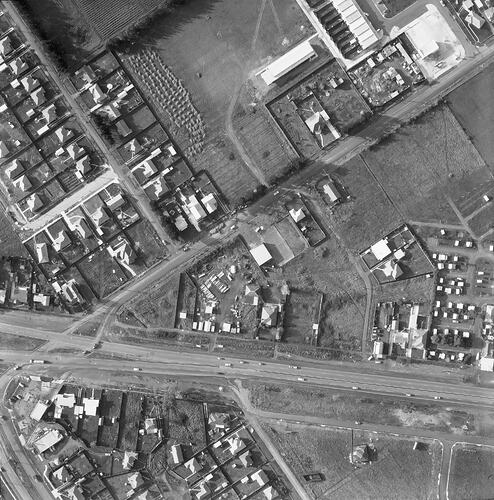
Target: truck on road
[(37, 361)]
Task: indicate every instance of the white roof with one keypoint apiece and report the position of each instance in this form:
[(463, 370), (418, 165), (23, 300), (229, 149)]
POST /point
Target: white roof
[(38, 411), (261, 254), (353, 17), (209, 201), (297, 215), (380, 250), (67, 400), (90, 406), (50, 439), (487, 364), (287, 62), (331, 191)]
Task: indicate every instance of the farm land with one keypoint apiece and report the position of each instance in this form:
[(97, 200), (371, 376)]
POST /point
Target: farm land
[(470, 463), (427, 166), (395, 466)]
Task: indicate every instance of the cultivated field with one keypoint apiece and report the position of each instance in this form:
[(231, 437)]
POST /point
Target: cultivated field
[(397, 468), (426, 166), (368, 215), (471, 472)]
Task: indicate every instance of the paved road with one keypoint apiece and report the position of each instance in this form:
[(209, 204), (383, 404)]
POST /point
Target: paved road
[(205, 365)]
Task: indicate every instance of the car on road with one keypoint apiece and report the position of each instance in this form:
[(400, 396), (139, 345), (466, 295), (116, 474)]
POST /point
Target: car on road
[(358, 422), (408, 394), (219, 357), (228, 364), (243, 362), (438, 397), (301, 379), (136, 369), (261, 363), (355, 388), (295, 367), (97, 345)]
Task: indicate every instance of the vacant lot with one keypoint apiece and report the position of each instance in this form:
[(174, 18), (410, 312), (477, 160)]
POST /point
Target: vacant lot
[(301, 311), (427, 165), (154, 307), (471, 472), (397, 468), (369, 214), (327, 270), (19, 343)]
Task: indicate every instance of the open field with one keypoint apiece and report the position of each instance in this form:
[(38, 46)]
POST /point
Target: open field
[(210, 48), (468, 104), (426, 165), (326, 269), (12, 342), (349, 407), (369, 214), (397, 468), (420, 289), (471, 472)]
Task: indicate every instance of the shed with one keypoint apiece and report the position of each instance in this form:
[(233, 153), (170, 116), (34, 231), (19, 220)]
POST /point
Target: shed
[(261, 254)]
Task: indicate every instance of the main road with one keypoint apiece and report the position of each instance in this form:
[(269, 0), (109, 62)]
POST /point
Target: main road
[(115, 358)]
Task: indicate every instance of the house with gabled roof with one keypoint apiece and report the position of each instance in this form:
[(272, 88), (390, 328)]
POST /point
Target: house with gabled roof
[(38, 96), (15, 169)]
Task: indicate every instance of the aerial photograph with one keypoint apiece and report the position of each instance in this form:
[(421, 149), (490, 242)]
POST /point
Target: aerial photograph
[(247, 250)]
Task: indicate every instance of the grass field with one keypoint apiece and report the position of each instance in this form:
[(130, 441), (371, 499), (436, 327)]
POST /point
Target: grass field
[(470, 475), (369, 214), (301, 312), (129, 420), (394, 7), (468, 104), (398, 468), (349, 407), (327, 269), (214, 47), (19, 342), (427, 164)]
